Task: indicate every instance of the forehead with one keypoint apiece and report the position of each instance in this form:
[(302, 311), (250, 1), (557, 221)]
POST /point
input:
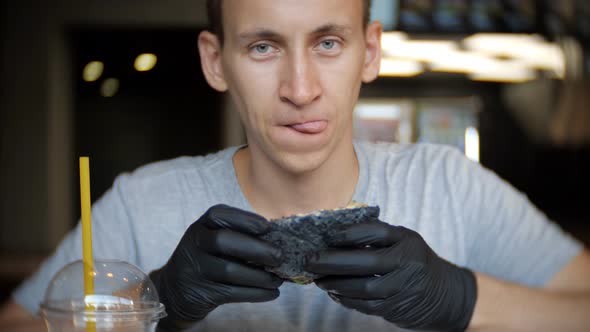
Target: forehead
[(290, 15)]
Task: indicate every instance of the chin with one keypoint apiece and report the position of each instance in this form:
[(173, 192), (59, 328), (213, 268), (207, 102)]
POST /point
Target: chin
[(302, 162)]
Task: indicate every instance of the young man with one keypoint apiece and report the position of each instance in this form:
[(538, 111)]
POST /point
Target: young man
[(485, 258)]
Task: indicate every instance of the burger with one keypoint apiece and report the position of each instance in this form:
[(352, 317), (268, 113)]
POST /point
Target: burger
[(299, 236)]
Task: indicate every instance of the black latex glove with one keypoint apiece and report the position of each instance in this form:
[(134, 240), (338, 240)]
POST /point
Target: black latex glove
[(390, 271), (218, 260)]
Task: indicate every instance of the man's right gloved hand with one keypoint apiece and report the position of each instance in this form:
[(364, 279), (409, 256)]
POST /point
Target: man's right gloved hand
[(218, 260)]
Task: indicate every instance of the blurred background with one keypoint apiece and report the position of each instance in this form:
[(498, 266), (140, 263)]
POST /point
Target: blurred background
[(504, 81)]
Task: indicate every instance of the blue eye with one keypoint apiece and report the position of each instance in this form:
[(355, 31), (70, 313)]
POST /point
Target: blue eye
[(263, 51), (328, 44), (262, 48)]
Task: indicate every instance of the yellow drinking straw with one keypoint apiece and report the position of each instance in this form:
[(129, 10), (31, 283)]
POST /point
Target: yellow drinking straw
[(86, 231)]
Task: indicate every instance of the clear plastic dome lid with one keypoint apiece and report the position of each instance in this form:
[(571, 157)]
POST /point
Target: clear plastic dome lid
[(120, 290)]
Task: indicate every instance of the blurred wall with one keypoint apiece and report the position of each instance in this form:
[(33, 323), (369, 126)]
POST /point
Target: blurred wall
[(36, 158)]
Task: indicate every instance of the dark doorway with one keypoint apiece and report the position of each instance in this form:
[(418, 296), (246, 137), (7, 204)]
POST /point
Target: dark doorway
[(127, 118)]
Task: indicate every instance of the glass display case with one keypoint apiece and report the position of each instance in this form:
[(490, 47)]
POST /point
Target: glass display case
[(452, 121)]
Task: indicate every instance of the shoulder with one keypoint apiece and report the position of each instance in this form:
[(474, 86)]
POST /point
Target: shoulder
[(415, 186), (426, 156), (418, 170), (176, 190), (172, 182), (184, 164), (186, 167), (406, 149)]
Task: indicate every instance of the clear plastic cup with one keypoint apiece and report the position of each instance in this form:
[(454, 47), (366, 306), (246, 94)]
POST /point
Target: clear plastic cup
[(124, 299)]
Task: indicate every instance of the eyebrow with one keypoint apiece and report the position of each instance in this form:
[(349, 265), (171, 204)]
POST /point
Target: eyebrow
[(273, 35), (333, 29), (260, 34)]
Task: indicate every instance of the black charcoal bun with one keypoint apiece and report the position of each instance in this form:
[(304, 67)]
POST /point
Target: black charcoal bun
[(302, 235)]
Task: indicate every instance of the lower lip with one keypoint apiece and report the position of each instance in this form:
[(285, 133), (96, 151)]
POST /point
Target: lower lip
[(310, 128)]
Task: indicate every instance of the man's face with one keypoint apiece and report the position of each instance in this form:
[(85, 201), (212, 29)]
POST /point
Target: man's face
[(294, 70)]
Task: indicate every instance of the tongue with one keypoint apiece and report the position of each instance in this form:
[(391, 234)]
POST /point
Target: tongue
[(312, 127)]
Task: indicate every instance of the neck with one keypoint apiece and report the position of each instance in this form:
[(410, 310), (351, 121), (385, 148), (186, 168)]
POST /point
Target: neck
[(274, 192)]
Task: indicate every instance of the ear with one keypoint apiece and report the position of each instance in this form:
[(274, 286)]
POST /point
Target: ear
[(210, 52), (373, 52)]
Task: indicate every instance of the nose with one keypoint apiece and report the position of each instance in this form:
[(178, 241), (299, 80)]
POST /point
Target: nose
[(300, 83)]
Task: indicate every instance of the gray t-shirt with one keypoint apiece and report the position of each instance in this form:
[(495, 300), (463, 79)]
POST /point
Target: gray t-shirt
[(467, 214)]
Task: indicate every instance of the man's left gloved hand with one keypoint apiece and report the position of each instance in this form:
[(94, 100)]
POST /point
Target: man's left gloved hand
[(390, 271)]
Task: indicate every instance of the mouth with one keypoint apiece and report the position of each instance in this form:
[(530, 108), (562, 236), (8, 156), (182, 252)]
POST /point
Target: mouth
[(310, 127)]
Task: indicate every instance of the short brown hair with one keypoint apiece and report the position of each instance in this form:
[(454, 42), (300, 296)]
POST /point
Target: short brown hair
[(216, 25)]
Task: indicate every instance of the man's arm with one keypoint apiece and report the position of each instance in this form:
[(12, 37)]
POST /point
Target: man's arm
[(390, 271), (15, 318), (562, 305)]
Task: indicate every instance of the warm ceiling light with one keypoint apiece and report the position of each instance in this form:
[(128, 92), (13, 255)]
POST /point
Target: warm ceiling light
[(483, 68), (387, 38), (504, 71), (398, 45), (400, 68), (418, 50), (92, 71), (460, 62), (145, 62), (109, 87), (486, 57), (533, 50), (505, 76)]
